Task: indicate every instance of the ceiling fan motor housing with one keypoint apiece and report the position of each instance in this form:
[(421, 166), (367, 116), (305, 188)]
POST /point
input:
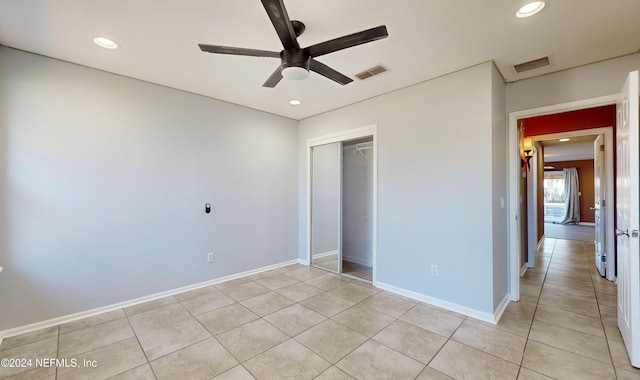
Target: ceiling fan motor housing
[(295, 64)]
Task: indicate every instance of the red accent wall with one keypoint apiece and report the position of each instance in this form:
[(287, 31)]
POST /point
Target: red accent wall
[(597, 117)]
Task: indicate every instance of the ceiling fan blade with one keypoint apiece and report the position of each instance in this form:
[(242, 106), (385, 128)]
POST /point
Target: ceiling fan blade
[(328, 72), (238, 51), (274, 79), (281, 22), (344, 42)]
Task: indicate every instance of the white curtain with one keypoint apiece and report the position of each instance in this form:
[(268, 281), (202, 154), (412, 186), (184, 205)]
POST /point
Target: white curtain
[(571, 196)]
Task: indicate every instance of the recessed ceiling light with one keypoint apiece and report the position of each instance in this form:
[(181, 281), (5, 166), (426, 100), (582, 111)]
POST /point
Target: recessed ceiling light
[(564, 139), (105, 43), (530, 9), (295, 102)]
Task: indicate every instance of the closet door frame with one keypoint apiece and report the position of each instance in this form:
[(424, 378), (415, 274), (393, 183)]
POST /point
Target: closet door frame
[(341, 137)]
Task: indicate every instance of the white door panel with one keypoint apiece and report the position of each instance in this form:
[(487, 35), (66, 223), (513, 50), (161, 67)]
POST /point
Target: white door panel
[(599, 203), (627, 218)]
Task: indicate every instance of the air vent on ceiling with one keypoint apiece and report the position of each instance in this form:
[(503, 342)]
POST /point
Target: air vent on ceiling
[(371, 72), (531, 65)]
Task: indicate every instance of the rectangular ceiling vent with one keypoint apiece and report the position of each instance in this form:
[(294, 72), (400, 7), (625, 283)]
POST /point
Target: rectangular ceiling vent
[(532, 65), (371, 72)]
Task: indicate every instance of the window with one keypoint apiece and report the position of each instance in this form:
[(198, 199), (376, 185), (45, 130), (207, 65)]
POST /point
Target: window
[(554, 207)]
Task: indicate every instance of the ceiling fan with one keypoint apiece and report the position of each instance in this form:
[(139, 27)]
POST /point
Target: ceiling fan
[(295, 61)]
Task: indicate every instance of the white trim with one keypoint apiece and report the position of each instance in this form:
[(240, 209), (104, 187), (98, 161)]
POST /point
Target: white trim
[(350, 134), (103, 309), (473, 313), (523, 270), (514, 175)]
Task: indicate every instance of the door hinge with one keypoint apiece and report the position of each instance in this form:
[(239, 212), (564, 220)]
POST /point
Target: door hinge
[(634, 233)]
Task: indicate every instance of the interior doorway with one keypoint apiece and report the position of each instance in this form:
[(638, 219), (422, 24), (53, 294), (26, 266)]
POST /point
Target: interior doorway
[(516, 198), (342, 203)]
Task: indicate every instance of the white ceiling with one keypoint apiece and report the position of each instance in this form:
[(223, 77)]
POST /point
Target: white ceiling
[(427, 39), (578, 148)]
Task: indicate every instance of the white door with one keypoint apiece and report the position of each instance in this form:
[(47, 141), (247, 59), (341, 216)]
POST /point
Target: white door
[(628, 270), (599, 203)]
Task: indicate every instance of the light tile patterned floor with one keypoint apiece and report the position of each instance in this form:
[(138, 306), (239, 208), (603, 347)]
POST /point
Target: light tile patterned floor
[(300, 322)]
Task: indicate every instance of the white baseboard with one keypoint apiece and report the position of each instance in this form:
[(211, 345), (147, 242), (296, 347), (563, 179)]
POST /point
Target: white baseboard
[(497, 314), (473, 313), (357, 261), (103, 309), (523, 270)]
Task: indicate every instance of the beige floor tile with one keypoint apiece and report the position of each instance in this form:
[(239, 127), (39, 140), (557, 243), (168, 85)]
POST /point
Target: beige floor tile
[(363, 320), (236, 373), (142, 307), (574, 274), (331, 340), (226, 318), (195, 293), (579, 322), (589, 308), (327, 281), (35, 336), (560, 364), (294, 319), (245, 291), (327, 304), (143, 372), (579, 294), (231, 283), (299, 291), (463, 362), (305, 273), (527, 374), (203, 360), (110, 360), (524, 309), (611, 329), (621, 357), (251, 339), (431, 374), (610, 300), (46, 348), (585, 285), (375, 360), (47, 373), (288, 360), (571, 340), (354, 292), (493, 341), (437, 321), (410, 340), (334, 373), (90, 338), (155, 318), (267, 303), (212, 300), (92, 321), (389, 304), (171, 338), (276, 282), (627, 375)]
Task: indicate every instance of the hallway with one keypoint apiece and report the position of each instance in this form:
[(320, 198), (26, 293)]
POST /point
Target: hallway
[(574, 333)]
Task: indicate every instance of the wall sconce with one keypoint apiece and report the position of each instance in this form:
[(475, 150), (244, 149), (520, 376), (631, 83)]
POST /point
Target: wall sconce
[(527, 148)]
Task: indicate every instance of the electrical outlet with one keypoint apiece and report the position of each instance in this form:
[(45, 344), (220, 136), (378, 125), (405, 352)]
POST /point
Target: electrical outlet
[(434, 270), (210, 257)]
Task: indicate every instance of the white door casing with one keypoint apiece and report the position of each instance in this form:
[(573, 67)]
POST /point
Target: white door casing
[(599, 204), (627, 218)]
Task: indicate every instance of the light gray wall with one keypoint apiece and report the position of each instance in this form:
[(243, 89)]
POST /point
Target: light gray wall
[(435, 184), (590, 81), (325, 206), (499, 146), (103, 181), (357, 198)]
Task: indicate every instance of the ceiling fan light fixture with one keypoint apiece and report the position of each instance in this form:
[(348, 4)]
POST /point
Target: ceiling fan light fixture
[(105, 43), (295, 73), (564, 139), (530, 9)]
